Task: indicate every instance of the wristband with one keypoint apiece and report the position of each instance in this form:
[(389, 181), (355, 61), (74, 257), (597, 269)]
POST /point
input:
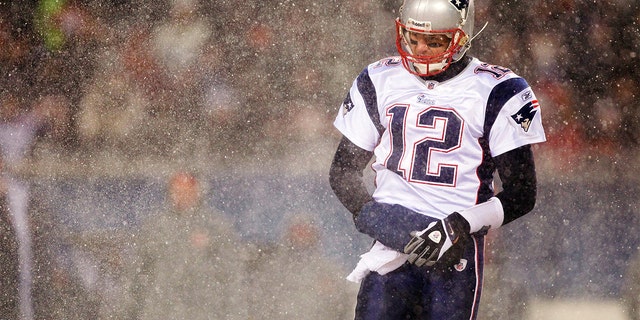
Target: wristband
[(487, 215)]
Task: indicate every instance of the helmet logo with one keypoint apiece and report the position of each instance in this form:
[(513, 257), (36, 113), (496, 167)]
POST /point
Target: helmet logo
[(460, 4)]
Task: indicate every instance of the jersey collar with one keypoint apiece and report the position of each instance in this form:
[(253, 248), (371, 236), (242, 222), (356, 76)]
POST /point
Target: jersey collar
[(453, 70)]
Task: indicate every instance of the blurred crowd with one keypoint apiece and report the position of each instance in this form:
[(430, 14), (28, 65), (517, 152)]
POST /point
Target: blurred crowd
[(227, 80), (178, 78), (581, 57), (219, 83)]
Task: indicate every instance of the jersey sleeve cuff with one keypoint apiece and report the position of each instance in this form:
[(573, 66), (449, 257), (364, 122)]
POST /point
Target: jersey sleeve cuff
[(489, 215)]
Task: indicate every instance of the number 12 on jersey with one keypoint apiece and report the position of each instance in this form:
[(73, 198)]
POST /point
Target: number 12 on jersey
[(435, 130)]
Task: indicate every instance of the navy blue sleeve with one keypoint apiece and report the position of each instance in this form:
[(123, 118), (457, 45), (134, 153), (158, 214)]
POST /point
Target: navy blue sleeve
[(345, 175), (368, 92), (391, 224), (519, 184)]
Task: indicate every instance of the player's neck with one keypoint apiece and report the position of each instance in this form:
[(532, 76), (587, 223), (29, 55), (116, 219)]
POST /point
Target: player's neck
[(453, 70)]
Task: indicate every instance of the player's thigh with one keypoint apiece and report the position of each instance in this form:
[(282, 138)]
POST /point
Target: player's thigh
[(394, 295), (454, 292)]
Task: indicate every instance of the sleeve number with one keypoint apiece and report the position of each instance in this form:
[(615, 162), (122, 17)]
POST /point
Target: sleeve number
[(497, 72)]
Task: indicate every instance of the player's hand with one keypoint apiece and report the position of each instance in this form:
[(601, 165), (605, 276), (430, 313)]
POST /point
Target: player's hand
[(429, 245)]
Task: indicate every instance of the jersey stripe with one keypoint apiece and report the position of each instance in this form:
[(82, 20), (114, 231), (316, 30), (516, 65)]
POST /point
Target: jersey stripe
[(485, 173), (368, 93), (500, 94)]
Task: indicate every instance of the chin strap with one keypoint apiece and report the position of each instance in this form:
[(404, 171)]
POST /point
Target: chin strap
[(466, 45), (478, 33)]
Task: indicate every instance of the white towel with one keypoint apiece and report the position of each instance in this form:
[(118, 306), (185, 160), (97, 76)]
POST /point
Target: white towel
[(380, 259)]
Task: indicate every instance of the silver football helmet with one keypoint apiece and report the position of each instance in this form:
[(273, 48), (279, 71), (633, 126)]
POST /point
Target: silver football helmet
[(453, 18)]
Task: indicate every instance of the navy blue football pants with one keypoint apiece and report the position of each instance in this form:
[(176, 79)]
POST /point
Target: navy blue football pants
[(410, 292)]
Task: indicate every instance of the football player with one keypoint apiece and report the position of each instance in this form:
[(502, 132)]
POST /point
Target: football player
[(438, 123)]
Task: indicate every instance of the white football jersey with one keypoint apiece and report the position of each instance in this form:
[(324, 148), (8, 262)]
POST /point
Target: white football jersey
[(431, 139)]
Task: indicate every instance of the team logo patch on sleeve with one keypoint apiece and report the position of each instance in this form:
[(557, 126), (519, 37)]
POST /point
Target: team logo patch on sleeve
[(525, 115), (347, 105)]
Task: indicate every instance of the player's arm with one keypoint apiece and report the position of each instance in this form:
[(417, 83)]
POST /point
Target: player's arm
[(518, 196), (345, 175), (390, 224), (517, 172)]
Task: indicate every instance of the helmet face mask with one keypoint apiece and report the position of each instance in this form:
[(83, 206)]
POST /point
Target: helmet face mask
[(452, 18)]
